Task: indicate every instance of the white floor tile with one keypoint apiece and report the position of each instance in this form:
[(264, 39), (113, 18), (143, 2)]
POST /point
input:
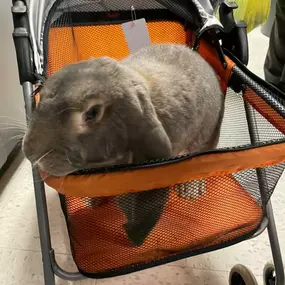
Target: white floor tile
[(216, 260), (19, 267), (10, 179), (172, 275), (121, 280), (18, 223), (18, 220)]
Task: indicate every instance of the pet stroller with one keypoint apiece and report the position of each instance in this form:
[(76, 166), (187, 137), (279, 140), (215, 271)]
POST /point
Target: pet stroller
[(239, 176)]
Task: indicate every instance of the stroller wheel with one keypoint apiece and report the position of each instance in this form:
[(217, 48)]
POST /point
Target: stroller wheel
[(269, 274), (241, 275)]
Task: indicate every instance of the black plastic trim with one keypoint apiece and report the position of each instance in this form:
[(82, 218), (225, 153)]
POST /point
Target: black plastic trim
[(22, 42), (234, 37), (111, 18), (267, 86), (273, 101), (163, 162)]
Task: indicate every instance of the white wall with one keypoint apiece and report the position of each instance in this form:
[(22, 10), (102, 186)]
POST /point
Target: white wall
[(11, 99)]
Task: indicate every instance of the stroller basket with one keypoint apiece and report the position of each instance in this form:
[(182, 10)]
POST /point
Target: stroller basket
[(251, 150)]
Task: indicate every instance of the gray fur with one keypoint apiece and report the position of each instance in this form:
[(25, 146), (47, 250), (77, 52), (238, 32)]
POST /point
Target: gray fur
[(162, 101)]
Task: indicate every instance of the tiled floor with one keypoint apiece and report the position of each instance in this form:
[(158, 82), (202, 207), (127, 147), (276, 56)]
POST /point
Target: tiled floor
[(20, 257)]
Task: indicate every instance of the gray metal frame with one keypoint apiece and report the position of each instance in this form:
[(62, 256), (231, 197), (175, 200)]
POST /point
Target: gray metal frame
[(271, 226), (50, 266)]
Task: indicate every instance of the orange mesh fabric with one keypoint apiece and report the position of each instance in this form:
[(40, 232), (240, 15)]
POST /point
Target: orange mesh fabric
[(265, 110), (211, 56), (215, 217), (109, 41)]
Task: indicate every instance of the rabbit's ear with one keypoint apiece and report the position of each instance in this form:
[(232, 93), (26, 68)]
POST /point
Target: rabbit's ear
[(150, 140), (107, 61), (153, 142)]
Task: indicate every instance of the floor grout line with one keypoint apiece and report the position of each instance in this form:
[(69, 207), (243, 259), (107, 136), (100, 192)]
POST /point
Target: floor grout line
[(208, 269), (17, 172), (31, 250), (19, 249), (7, 200)]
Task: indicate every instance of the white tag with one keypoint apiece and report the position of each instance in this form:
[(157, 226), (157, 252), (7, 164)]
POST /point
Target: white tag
[(136, 34)]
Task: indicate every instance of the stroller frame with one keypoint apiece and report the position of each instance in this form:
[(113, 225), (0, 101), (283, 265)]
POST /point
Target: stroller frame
[(50, 266)]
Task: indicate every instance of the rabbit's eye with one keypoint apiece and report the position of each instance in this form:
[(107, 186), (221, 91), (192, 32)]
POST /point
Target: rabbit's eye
[(92, 113)]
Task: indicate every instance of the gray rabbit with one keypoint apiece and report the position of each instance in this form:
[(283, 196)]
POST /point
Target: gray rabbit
[(160, 102)]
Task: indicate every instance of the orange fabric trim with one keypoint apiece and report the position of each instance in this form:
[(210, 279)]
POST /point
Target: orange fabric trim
[(116, 183), (265, 110), (210, 55), (37, 98)]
